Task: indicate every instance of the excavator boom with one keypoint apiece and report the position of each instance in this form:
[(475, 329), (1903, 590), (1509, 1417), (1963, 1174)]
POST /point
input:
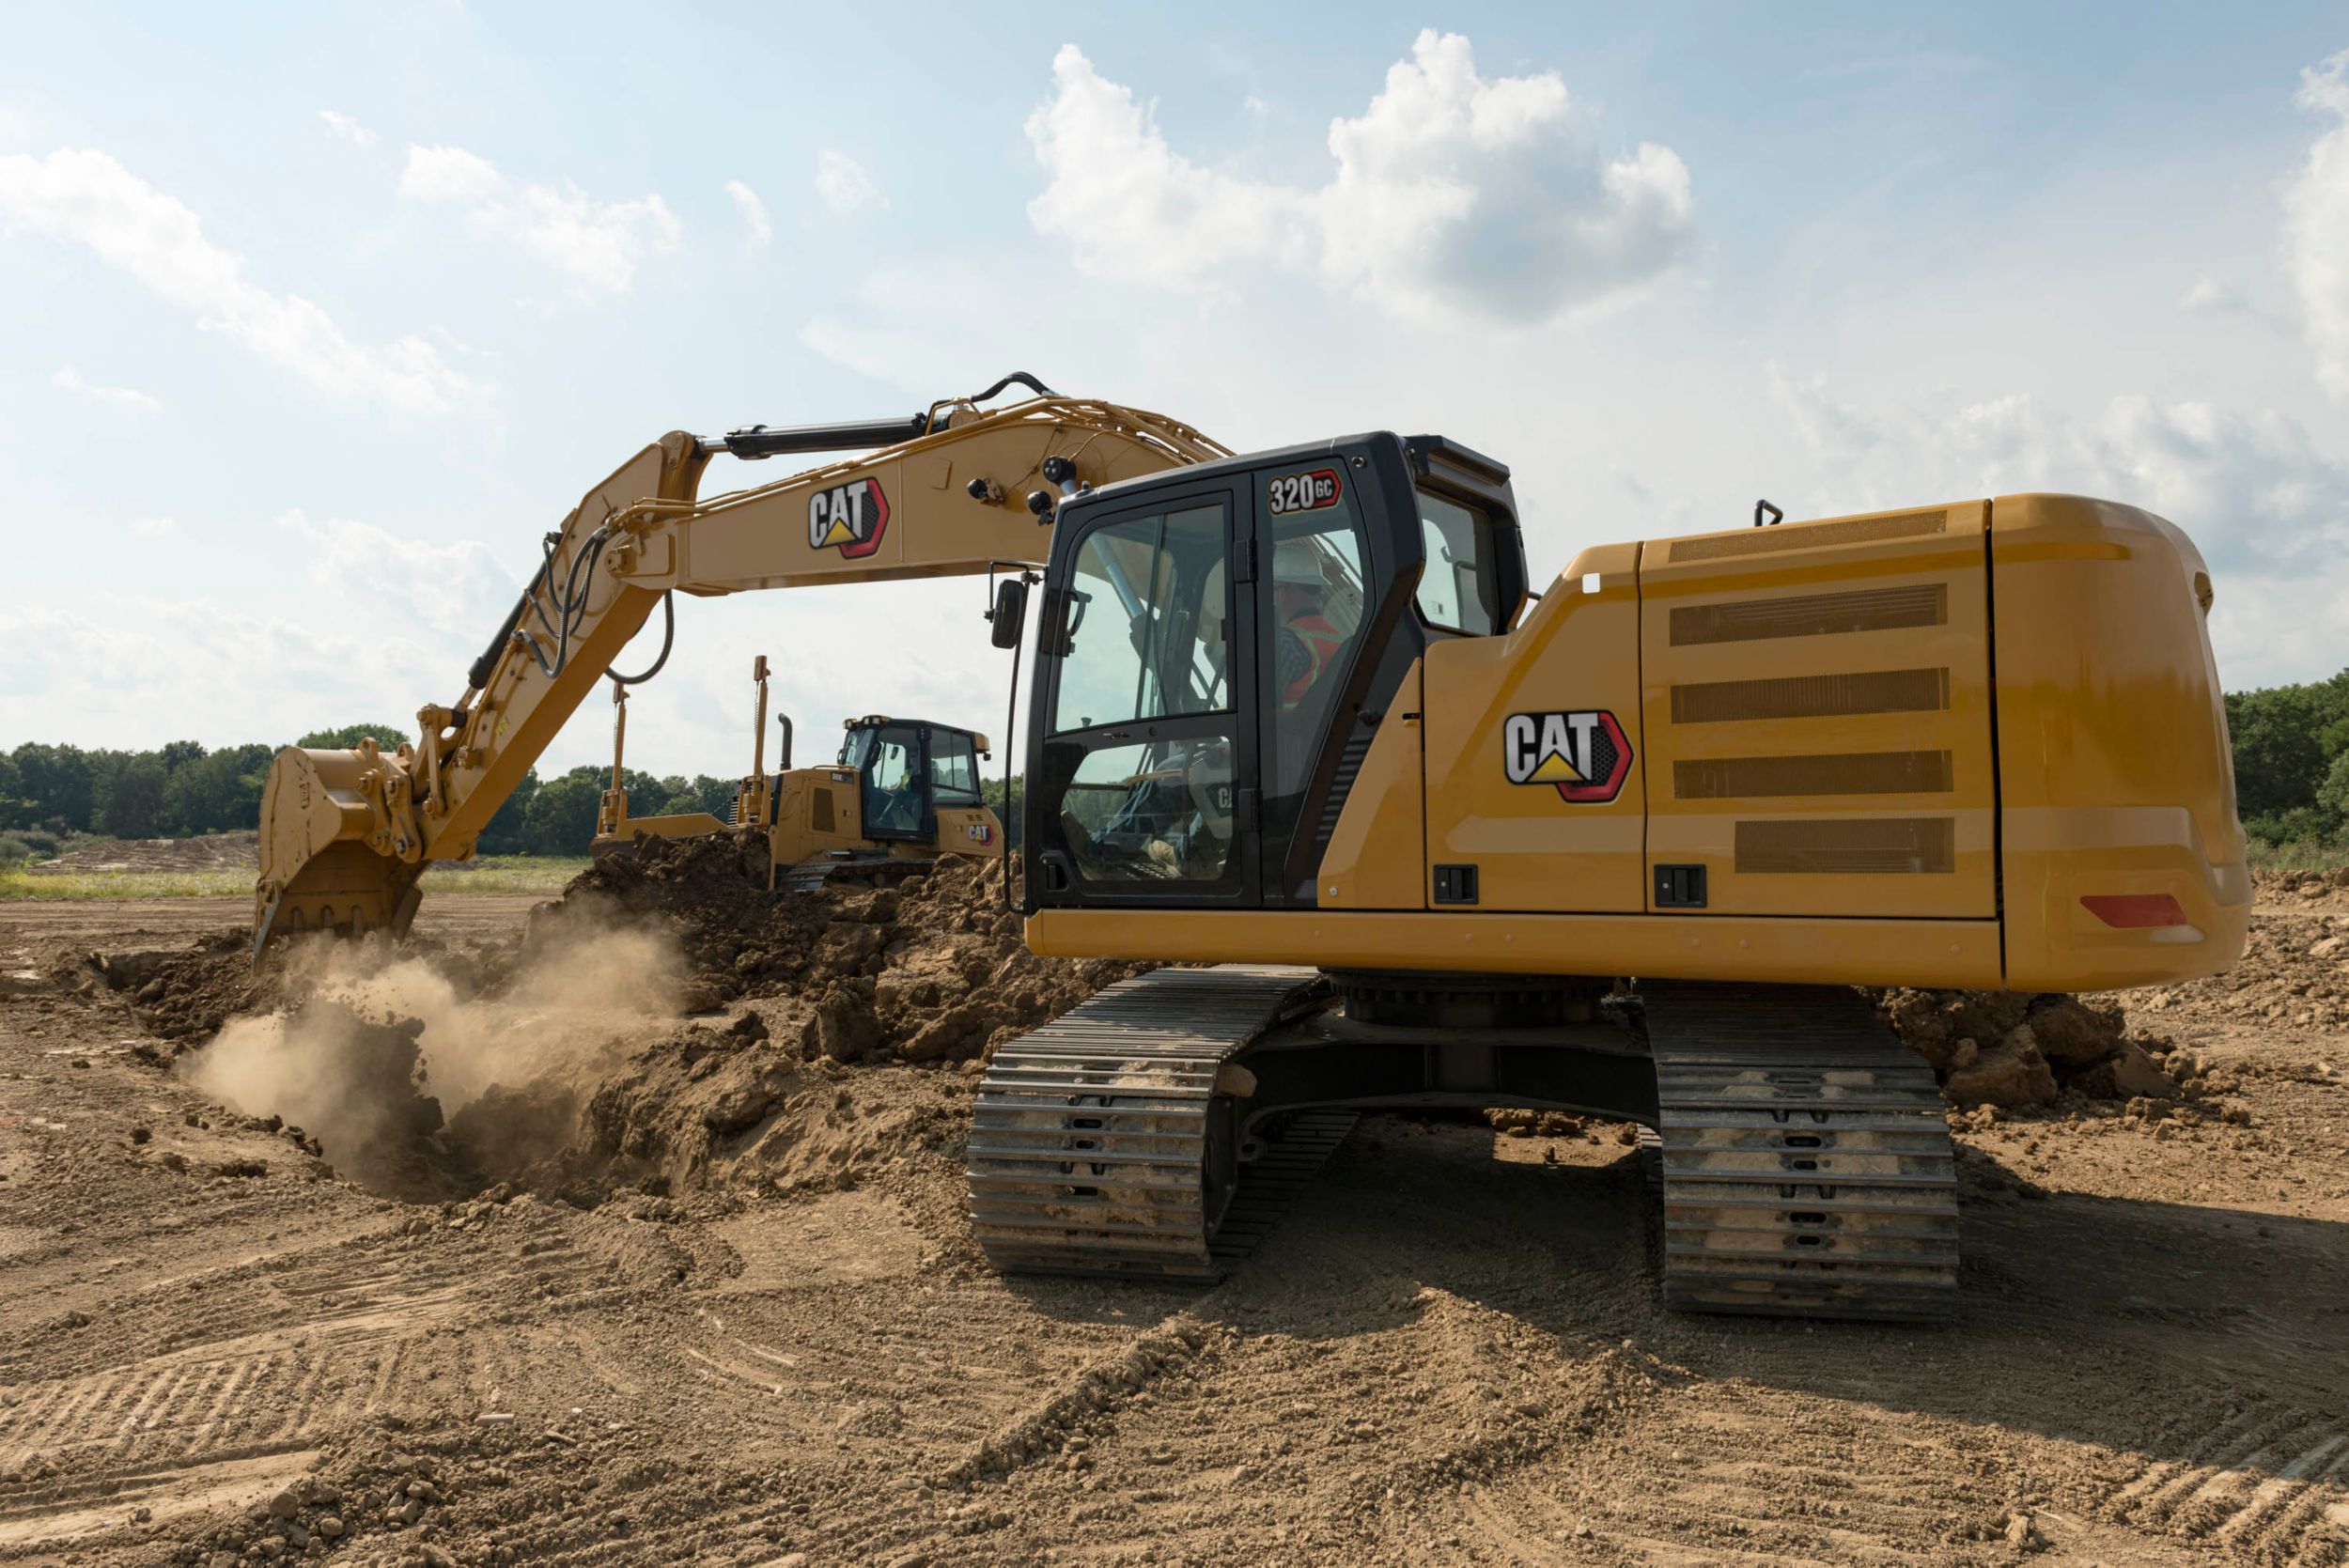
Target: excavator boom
[(957, 489)]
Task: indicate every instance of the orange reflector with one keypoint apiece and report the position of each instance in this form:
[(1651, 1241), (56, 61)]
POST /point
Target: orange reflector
[(2134, 911)]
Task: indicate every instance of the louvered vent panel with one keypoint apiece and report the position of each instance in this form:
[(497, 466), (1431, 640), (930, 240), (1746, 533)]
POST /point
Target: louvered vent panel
[(1881, 846), (1350, 768), (1811, 535), (1812, 696), (1812, 614), (1841, 773)]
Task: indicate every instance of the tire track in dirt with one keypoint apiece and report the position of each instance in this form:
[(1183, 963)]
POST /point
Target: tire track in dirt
[(269, 1357), (2268, 1480)]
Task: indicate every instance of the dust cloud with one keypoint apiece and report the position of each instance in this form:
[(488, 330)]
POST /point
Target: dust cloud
[(385, 1049)]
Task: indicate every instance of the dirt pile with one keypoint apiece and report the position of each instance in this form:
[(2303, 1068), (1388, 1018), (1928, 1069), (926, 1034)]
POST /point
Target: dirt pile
[(2294, 973), (2302, 890), (667, 1023), (186, 995), (794, 991), (2017, 1049), (239, 851), (932, 970)]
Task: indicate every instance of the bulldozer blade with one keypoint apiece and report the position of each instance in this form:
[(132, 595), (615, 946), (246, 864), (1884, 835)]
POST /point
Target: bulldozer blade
[(329, 858)]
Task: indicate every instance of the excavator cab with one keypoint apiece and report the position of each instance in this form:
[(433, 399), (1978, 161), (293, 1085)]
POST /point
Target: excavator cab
[(1219, 645)]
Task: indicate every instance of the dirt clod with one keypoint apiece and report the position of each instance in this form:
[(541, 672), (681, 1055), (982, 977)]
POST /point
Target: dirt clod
[(2022, 1048)]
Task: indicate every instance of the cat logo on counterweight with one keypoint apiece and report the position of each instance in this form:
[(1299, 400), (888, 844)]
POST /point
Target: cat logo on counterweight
[(1583, 753), (847, 517)]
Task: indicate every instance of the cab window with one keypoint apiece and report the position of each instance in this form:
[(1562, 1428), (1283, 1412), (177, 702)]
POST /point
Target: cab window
[(1143, 635), (1457, 589), (954, 770), (891, 758)]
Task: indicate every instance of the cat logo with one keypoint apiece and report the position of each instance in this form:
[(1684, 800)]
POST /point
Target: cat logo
[(979, 833), (848, 516), (1584, 753)]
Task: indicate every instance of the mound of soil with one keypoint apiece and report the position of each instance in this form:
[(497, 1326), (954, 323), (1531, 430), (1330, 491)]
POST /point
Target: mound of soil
[(239, 851), (2017, 1049), (2302, 890), (931, 970), (2293, 972), (184, 996), (796, 990)]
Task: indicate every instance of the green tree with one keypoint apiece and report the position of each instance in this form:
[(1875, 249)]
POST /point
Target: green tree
[(177, 755), (130, 797), (561, 816), (2333, 793), (1006, 806), (716, 797), (219, 793), (508, 830), (389, 737), (57, 785), (2288, 743)]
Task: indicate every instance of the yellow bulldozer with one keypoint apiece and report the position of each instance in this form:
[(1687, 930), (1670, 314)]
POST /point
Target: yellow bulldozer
[(1301, 715), (902, 795)]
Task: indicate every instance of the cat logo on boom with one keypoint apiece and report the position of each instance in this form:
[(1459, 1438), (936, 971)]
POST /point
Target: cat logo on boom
[(1583, 753), (848, 518)]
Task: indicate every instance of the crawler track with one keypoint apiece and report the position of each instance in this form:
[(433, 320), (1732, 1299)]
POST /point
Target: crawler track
[(1807, 1166), (1099, 1145)]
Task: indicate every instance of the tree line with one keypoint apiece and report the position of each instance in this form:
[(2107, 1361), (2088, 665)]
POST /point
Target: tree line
[(50, 795), (2291, 768), (2291, 762)]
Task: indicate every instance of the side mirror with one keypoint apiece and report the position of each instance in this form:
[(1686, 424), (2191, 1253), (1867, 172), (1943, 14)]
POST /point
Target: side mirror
[(1011, 609)]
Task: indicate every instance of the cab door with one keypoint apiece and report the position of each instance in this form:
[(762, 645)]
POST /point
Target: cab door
[(894, 785), (1146, 767), (1307, 560)]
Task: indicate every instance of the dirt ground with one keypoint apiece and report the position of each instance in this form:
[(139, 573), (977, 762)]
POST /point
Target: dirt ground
[(719, 1303)]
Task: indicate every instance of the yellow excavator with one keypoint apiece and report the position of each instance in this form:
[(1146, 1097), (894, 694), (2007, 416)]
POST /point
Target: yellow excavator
[(1300, 715), (902, 795)]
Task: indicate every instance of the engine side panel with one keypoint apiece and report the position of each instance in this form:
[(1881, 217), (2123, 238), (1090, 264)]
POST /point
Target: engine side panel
[(1818, 713)]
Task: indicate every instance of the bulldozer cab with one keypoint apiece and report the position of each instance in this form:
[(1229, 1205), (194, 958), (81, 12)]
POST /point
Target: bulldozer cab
[(1217, 646), (907, 771)]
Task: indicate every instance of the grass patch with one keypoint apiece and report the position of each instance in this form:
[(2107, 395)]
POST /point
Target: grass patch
[(538, 873), (2298, 857)]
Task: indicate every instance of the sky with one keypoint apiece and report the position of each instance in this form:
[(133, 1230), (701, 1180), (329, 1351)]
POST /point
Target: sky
[(313, 319)]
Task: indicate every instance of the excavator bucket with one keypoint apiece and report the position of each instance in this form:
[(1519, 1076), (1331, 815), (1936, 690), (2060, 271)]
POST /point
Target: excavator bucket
[(331, 845)]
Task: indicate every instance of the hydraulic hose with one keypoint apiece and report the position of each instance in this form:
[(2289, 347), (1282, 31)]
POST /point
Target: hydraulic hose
[(668, 636)]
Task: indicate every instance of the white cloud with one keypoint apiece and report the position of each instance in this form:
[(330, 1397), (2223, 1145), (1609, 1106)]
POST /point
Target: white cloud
[(2251, 488), (448, 174), (844, 185), (346, 128), (458, 590), (2317, 224), (152, 528), (753, 211), (102, 667), (85, 196), (1450, 194), (2267, 507), (121, 397), (2208, 295), (597, 245)]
